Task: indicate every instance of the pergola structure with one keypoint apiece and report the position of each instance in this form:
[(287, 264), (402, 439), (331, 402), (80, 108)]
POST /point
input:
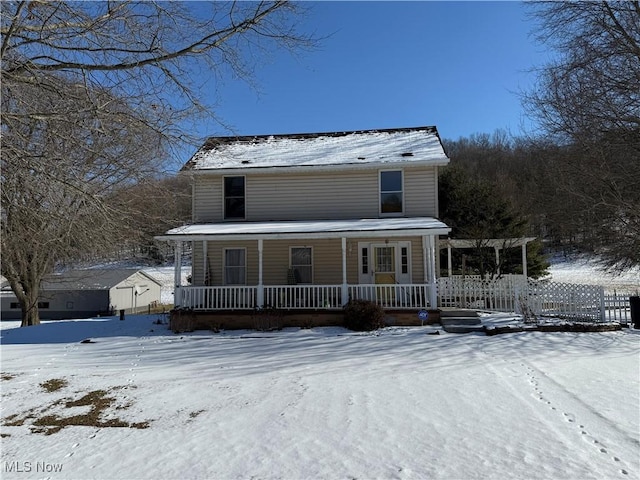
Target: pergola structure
[(496, 243)]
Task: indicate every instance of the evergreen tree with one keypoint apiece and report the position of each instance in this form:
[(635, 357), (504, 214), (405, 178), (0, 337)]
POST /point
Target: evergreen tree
[(475, 210)]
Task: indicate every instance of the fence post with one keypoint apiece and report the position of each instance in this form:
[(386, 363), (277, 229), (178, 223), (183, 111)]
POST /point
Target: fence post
[(603, 309), (634, 304)]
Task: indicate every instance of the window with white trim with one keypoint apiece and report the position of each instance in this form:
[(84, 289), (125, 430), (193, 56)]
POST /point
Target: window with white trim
[(234, 198), (235, 266), (301, 261), (391, 195)]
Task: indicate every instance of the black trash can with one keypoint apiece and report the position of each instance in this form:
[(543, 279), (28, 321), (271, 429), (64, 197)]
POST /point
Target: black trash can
[(121, 314), (635, 311)]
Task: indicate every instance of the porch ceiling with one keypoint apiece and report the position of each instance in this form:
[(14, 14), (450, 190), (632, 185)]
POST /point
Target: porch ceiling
[(356, 228)]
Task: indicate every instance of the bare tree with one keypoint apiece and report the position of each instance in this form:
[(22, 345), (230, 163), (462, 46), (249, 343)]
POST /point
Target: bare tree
[(58, 173), (588, 99), (93, 95)]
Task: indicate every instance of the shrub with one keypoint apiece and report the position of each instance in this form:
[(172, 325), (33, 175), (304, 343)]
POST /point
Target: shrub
[(363, 316), (267, 319)]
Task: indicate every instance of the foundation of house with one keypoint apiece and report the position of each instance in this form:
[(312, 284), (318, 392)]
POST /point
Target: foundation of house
[(188, 320)]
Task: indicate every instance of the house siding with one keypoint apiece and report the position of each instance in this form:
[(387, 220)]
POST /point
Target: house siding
[(317, 196), (327, 260)]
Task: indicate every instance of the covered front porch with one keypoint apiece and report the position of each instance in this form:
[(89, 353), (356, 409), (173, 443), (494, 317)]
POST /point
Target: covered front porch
[(308, 265)]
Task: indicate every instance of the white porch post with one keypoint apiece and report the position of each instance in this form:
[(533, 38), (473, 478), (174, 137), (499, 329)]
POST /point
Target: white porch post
[(177, 274), (345, 287), (425, 259), (524, 260), (497, 249), (429, 256), (260, 293), (449, 261), (204, 263)]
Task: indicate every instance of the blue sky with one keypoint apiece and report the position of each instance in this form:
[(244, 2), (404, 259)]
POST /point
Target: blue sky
[(456, 65)]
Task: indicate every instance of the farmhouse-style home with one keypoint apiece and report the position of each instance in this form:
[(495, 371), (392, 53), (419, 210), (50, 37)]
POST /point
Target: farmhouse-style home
[(88, 293), (309, 221)]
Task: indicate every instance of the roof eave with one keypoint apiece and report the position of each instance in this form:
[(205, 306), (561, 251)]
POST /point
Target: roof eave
[(382, 233), (439, 162)]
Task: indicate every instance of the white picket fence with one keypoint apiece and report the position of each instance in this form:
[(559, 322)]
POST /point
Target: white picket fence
[(535, 298), (618, 306)]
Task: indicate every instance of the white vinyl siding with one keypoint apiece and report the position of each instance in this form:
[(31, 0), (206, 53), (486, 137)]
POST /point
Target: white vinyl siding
[(207, 199), (420, 192), (305, 197), (326, 258), (323, 195)]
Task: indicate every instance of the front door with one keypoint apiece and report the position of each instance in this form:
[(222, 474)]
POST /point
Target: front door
[(384, 273), (384, 264)]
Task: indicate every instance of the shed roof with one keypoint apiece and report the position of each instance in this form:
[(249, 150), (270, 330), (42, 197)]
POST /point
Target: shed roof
[(92, 279), (418, 145)]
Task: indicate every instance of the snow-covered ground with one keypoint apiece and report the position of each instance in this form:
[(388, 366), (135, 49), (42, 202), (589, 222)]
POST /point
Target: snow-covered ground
[(319, 403), (585, 270)]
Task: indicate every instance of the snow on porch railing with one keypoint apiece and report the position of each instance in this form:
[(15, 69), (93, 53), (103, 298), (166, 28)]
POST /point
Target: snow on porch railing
[(218, 298), (308, 297), (400, 296)]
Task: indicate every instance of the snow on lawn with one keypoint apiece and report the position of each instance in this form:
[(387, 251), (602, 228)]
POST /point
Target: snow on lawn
[(585, 270), (318, 403)]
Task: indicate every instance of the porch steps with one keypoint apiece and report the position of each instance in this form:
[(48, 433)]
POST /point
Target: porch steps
[(460, 321)]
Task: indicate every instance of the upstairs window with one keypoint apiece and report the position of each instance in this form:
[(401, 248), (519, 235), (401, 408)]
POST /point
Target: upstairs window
[(391, 192), (234, 198)]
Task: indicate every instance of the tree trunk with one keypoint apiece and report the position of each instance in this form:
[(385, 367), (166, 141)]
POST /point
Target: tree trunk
[(29, 306)]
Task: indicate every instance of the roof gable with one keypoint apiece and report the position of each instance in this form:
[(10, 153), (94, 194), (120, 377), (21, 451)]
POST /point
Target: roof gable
[(419, 145)]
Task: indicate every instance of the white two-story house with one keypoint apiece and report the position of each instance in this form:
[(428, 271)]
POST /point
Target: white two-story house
[(305, 222)]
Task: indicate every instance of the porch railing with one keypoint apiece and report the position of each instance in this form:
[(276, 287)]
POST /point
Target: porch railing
[(397, 296), (217, 298), (583, 302), (305, 297)]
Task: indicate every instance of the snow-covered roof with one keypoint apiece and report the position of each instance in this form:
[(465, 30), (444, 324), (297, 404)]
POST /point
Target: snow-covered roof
[(419, 145), (486, 242), (91, 279), (371, 227)]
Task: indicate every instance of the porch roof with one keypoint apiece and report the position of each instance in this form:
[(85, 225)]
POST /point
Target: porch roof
[(486, 242), (365, 227)]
